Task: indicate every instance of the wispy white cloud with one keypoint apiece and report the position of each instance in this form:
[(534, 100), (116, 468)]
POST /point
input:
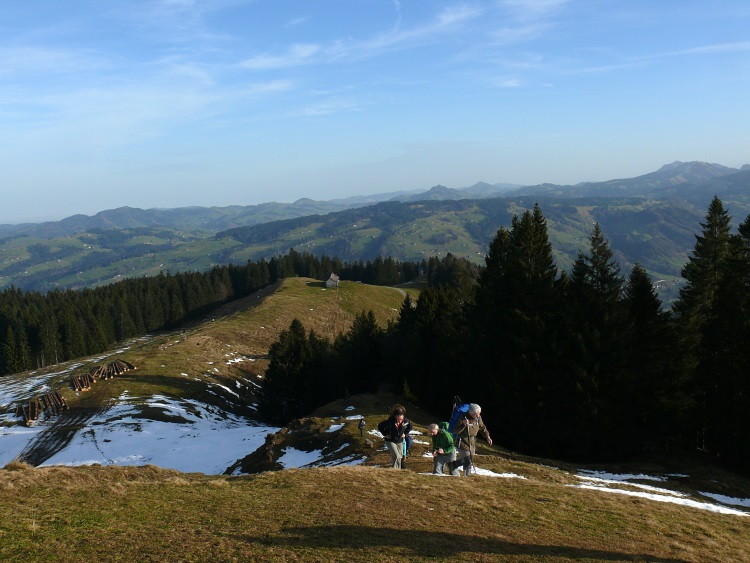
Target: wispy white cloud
[(272, 87), (346, 49), (508, 82), (644, 60), (717, 49), (297, 21), (34, 59), (525, 10), (296, 55), (125, 113), (327, 107), (511, 23), (174, 12), (526, 20), (519, 34), (183, 22)]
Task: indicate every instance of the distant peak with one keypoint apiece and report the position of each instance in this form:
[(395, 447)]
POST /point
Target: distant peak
[(671, 166)]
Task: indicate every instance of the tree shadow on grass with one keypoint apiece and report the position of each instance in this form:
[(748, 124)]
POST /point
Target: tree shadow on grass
[(434, 544)]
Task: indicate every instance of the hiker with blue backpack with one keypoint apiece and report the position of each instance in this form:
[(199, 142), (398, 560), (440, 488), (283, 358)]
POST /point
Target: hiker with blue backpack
[(466, 428), (443, 447)]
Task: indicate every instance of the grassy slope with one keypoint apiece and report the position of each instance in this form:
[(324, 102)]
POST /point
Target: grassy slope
[(244, 328), (362, 513)]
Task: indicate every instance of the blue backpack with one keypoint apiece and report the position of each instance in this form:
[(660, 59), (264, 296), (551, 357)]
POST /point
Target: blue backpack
[(460, 410)]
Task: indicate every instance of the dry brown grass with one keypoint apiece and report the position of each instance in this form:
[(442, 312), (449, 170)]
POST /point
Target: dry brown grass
[(358, 513)]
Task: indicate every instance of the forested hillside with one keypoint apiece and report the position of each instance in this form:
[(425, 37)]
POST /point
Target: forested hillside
[(578, 364), (37, 330), (657, 234)]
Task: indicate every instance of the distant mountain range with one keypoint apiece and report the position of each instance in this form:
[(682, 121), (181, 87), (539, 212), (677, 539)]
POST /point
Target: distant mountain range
[(651, 219), (686, 180), (676, 179)]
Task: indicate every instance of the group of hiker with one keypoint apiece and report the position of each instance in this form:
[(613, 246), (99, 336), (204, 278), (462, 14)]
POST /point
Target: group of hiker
[(453, 443)]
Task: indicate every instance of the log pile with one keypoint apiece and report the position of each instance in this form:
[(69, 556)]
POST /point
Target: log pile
[(82, 382), (50, 403), (53, 403), (117, 367)]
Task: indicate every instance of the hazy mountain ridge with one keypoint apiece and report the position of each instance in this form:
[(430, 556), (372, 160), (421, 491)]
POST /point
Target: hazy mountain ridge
[(694, 176), (200, 219), (655, 226)]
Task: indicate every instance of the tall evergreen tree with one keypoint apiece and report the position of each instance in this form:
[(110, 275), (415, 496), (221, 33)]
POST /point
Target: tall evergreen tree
[(598, 347), (649, 390), (360, 352), (286, 392), (723, 368), (695, 311), (512, 315), (9, 355), (702, 273), (425, 348)]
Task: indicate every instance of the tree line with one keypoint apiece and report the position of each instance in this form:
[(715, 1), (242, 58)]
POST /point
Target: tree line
[(583, 365), (38, 330)]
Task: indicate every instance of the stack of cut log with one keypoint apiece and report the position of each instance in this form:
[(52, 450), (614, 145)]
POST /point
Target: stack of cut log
[(54, 403), (117, 367), (82, 382), (51, 403)]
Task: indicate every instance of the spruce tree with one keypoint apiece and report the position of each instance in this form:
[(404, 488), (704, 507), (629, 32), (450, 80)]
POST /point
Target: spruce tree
[(512, 317), (360, 352), (9, 353), (286, 390), (599, 346), (649, 388), (432, 363), (695, 311), (702, 273), (724, 365)]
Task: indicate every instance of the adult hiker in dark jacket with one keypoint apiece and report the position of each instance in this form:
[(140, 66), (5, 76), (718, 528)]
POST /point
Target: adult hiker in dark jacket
[(466, 430), (443, 447), (394, 431)]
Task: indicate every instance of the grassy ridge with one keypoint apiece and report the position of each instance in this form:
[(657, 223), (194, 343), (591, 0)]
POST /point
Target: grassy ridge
[(245, 328)]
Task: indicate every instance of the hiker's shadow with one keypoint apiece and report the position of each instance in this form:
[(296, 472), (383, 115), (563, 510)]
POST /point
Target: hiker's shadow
[(433, 544)]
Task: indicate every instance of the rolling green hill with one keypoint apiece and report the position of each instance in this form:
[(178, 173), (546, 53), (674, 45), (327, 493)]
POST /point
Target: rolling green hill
[(658, 234), (651, 219), (100, 257)]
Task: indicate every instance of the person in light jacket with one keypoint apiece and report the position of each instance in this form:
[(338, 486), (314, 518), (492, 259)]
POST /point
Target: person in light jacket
[(443, 447), (394, 431), (467, 429)]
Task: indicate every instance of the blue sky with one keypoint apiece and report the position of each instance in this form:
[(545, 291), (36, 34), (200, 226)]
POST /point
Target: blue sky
[(171, 103)]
